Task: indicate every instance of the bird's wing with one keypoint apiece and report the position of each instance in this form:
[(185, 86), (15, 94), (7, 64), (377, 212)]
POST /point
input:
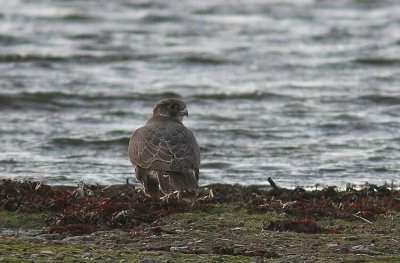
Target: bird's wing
[(170, 147)]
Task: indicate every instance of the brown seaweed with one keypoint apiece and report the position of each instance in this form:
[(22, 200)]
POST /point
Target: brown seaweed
[(83, 210)]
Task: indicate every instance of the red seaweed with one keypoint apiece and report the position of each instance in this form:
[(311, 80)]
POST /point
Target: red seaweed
[(91, 208)]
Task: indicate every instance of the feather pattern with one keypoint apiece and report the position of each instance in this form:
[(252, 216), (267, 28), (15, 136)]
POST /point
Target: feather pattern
[(165, 152)]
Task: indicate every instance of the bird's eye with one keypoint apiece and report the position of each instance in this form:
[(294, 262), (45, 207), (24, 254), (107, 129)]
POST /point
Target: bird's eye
[(174, 106)]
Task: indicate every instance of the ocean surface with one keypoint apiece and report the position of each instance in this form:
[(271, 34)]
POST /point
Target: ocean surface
[(306, 92)]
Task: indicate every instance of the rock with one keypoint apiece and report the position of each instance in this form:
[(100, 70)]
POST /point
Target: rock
[(238, 229), (47, 252), (351, 238), (149, 260), (257, 259), (54, 236), (368, 250), (179, 249), (343, 250), (35, 255), (331, 245)]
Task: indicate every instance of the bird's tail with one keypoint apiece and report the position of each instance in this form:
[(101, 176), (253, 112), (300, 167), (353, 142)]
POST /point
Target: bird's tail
[(170, 182)]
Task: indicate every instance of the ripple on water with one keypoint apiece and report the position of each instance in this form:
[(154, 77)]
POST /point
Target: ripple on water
[(301, 91)]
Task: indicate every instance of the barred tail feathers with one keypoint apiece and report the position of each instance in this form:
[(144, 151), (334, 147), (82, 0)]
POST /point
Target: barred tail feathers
[(170, 182)]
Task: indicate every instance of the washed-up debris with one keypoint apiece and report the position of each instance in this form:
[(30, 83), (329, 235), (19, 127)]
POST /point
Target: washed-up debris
[(78, 212), (244, 251), (88, 208), (29, 196), (119, 208), (364, 204), (367, 250)]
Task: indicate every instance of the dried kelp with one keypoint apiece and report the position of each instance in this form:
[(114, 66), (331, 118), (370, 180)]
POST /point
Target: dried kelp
[(29, 196), (87, 209)]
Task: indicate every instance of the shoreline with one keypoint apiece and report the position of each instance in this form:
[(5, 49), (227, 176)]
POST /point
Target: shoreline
[(236, 224)]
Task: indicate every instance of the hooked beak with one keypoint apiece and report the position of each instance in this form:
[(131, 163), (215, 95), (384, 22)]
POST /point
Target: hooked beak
[(184, 112)]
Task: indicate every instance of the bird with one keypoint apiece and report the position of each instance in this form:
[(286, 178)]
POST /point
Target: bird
[(164, 152)]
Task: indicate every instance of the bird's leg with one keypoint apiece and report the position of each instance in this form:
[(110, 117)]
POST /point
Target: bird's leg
[(170, 196), (211, 194), (151, 189), (166, 197)]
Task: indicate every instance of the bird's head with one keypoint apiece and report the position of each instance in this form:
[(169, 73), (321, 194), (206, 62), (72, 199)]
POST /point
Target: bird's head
[(171, 108)]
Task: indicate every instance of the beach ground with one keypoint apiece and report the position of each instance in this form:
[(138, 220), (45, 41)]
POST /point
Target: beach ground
[(230, 223)]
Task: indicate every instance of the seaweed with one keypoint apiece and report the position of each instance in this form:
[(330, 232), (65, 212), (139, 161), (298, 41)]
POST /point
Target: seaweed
[(86, 209)]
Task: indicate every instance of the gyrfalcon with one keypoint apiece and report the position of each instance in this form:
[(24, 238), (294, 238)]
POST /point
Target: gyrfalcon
[(165, 153)]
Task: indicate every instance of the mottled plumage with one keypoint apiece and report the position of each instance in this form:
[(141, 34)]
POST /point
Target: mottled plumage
[(165, 153)]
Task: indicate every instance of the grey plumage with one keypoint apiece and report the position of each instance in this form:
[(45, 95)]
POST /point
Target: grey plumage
[(165, 153)]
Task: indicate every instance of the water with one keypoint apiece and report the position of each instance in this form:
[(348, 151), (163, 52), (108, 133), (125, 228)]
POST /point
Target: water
[(306, 92)]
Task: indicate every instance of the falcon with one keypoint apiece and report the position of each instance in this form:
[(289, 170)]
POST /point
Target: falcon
[(165, 153)]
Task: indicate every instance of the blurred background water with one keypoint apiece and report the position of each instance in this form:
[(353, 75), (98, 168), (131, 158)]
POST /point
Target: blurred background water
[(304, 91)]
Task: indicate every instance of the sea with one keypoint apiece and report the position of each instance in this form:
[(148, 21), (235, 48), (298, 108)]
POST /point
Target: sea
[(306, 92)]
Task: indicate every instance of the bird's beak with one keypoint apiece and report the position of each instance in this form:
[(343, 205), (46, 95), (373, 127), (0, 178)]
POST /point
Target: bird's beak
[(184, 112)]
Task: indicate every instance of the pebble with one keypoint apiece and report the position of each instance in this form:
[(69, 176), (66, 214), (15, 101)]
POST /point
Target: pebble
[(351, 238), (76, 239), (52, 236), (343, 250), (366, 250), (257, 259), (46, 252), (331, 245), (238, 229), (178, 249), (149, 260)]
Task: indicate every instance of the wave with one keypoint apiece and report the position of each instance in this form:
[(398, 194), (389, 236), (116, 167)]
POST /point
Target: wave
[(86, 59), (206, 59), (78, 18), (8, 161), (54, 99), (254, 95), (7, 40), (161, 18), (84, 142), (377, 61), (216, 165), (381, 99)]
